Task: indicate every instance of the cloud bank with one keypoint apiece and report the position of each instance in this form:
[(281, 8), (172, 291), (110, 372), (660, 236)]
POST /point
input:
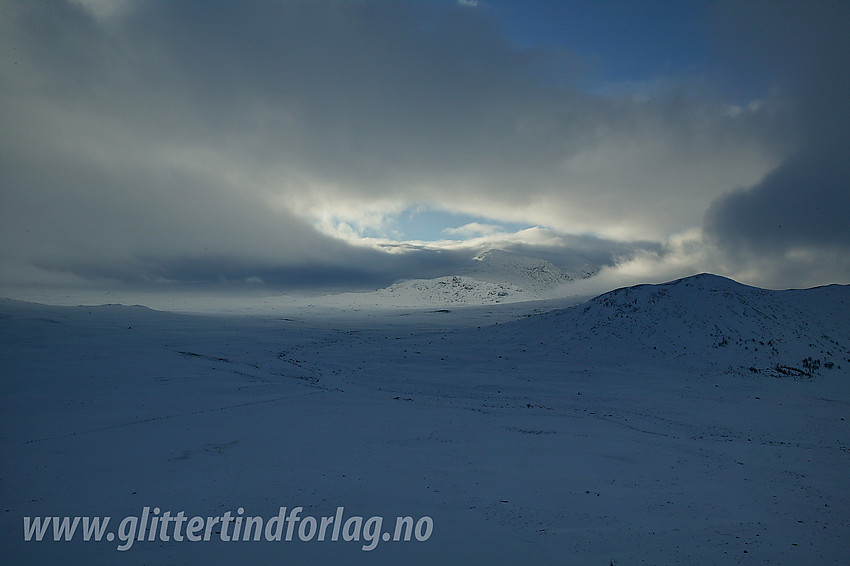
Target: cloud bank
[(184, 142)]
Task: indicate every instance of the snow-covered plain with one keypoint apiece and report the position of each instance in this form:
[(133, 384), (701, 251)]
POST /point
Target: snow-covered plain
[(695, 422)]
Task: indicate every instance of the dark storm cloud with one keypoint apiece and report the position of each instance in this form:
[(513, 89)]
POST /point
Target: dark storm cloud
[(804, 203), (802, 206)]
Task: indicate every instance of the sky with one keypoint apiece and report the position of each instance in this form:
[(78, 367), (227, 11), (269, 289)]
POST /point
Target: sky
[(347, 144)]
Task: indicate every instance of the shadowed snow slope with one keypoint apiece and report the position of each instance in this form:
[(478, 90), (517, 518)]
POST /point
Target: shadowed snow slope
[(705, 321)]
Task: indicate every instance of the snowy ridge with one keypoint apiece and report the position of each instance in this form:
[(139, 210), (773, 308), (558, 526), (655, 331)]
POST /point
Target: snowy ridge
[(709, 320)]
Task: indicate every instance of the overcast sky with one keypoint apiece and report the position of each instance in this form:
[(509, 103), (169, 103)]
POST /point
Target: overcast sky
[(313, 143)]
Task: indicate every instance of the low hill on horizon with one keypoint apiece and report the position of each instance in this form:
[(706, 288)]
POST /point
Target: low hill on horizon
[(703, 320)]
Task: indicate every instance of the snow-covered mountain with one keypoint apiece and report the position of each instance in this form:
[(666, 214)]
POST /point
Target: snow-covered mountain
[(703, 321), (492, 277), (533, 275), (451, 290)]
